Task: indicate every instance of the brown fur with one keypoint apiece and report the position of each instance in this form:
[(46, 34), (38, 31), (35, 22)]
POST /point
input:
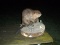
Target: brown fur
[(30, 16)]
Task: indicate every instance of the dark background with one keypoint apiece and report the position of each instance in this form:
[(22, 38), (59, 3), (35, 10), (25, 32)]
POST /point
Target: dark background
[(10, 13), (14, 8)]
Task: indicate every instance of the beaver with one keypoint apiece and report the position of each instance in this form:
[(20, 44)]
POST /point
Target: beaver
[(30, 16)]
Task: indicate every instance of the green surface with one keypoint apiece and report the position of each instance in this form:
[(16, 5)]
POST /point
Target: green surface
[(45, 38), (21, 40)]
